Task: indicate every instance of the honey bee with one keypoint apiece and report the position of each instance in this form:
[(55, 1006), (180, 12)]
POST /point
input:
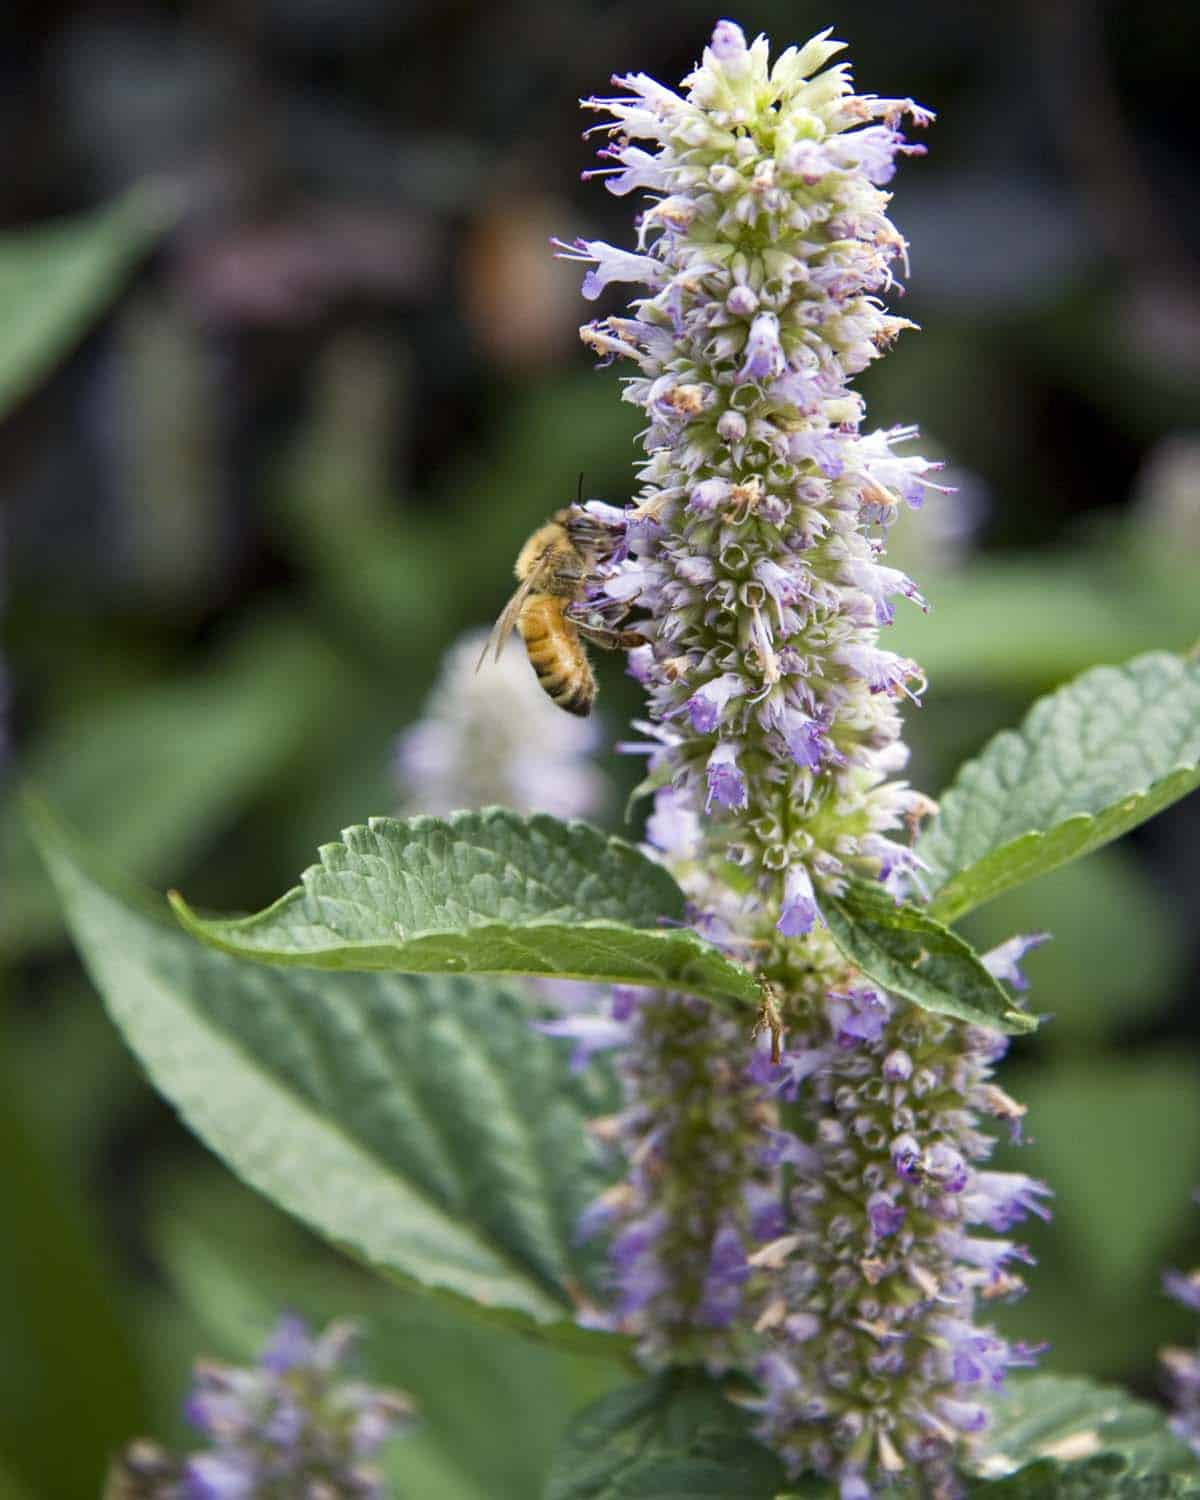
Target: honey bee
[(554, 568)]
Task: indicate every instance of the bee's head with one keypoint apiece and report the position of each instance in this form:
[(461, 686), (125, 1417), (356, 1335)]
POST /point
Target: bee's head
[(595, 527)]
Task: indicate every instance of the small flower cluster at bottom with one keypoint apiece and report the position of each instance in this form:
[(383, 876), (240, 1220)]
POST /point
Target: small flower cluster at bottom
[(289, 1427), (877, 1367)]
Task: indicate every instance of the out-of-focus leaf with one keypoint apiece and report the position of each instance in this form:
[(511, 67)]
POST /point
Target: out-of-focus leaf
[(55, 279), (676, 1437), (151, 775), (1056, 1435), (419, 1123), (487, 892), (376, 566), (1090, 978), (1030, 623), (1090, 762), (492, 1406), (902, 948), (70, 1390), (1119, 1140)]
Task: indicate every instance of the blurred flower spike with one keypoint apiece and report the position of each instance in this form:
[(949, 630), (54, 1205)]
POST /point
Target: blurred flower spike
[(823, 1226), (291, 1428), (1183, 1365), (493, 737)]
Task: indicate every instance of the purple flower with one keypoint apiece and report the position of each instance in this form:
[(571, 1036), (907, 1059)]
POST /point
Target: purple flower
[(966, 1416), (707, 704), (727, 1274), (799, 912), (1004, 961), (906, 1156), (784, 1148), (885, 1214), (857, 1015), (728, 43), (879, 584), (220, 1476), (674, 825), (290, 1345), (764, 356), (944, 1166), (805, 739), (1184, 1288), (591, 1034), (611, 264), (1002, 1199), (726, 784)]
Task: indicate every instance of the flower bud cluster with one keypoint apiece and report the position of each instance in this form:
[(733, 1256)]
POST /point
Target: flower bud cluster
[(844, 1245)]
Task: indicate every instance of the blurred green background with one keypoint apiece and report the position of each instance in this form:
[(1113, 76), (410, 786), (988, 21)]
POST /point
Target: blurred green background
[(260, 469)]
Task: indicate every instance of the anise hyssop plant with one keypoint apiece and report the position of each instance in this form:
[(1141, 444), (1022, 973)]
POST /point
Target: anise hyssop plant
[(780, 1201), (824, 1220)]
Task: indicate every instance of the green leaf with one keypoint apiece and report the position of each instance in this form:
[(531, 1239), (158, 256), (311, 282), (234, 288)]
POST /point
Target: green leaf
[(1090, 762), (675, 1437), (484, 893), (1029, 622), (151, 774), (902, 948), (420, 1124), (70, 1387), (1063, 1436), (55, 279)]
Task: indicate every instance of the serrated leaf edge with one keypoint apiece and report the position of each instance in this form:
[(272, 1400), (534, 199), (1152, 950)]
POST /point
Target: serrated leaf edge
[(1013, 1021), (948, 904), (359, 955)]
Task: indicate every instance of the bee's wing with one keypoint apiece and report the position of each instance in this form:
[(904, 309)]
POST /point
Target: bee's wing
[(503, 626)]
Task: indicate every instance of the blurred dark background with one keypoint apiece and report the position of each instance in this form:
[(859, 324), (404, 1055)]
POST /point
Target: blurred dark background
[(262, 492)]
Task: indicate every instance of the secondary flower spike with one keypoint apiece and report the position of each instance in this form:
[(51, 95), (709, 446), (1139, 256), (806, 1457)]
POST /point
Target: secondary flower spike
[(830, 1233)]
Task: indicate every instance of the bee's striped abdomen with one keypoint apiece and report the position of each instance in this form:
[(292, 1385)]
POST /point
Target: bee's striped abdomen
[(556, 654)]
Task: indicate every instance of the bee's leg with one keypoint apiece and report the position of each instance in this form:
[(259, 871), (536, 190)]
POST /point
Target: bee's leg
[(611, 640)]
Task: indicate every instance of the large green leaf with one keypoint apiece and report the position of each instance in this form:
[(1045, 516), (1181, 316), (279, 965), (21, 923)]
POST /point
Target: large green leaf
[(1062, 1436), (419, 1123), (149, 775), (1090, 762), (70, 1388), (902, 948), (56, 278), (484, 893), (675, 1437)]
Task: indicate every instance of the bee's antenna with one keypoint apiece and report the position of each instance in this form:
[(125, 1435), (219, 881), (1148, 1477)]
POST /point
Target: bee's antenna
[(579, 490)]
